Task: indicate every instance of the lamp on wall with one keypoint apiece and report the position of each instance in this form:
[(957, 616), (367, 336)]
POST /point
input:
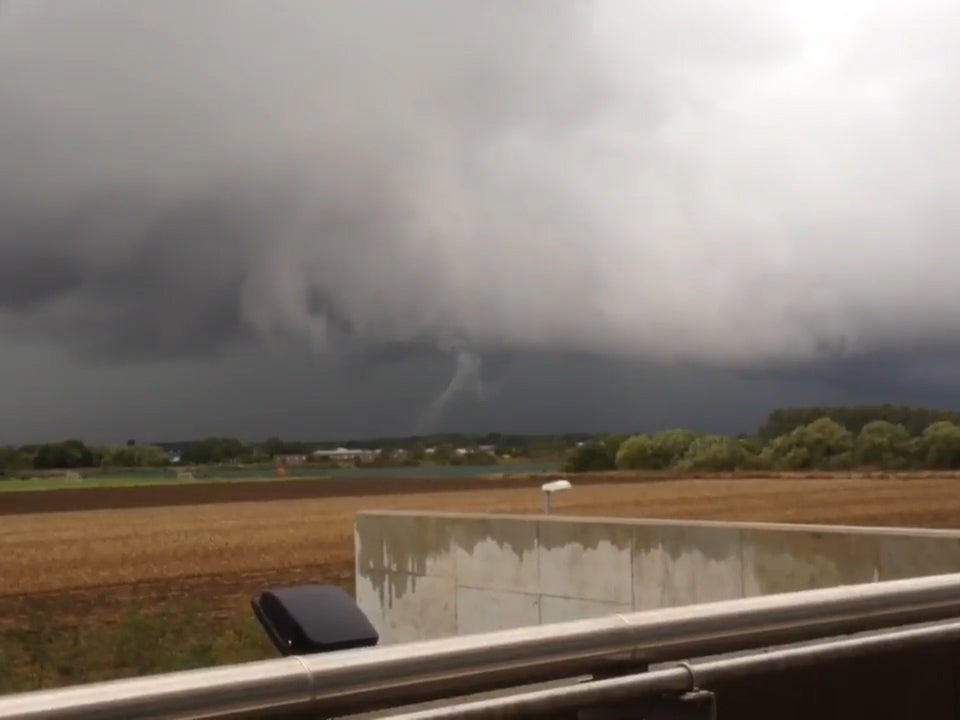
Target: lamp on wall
[(550, 488)]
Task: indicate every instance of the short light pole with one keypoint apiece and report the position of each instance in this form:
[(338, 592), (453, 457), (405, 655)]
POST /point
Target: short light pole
[(550, 488)]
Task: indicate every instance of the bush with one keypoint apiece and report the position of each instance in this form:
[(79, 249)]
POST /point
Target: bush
[(636, 453), (66, 454), (613, 443), (589, 457), (654, 452), (817, 445), (843, 461), (940, 446), (13, 460), (883, 444), (714, 452), (825, 439)]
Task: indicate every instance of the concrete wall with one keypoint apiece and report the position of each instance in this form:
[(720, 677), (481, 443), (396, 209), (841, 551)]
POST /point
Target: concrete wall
[(421, 576)]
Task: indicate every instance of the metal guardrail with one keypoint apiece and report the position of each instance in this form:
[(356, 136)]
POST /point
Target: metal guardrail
[(688, 677), (358, 680)]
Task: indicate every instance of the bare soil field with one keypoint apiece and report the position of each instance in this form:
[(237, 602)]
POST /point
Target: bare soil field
[(60, 570), (225, 491), (222, 549)]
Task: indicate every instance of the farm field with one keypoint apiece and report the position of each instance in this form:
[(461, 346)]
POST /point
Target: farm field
[(133, 494), (170, 476), (163, 580)]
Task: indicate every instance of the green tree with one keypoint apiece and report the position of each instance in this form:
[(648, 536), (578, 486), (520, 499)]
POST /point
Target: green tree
[(14, 459), (443, 453), (750, 444), (821, 444), (150, 456), (213, 450), (613, 442), (636, 453), (785, 453), (826, 439), (128, 456), (671, 445), (589, 457), (63, 455), (118, 457), (417, 452), (940, 446), (883, 444), (274, 446), (785, 420), (715, 452), (655, 452)]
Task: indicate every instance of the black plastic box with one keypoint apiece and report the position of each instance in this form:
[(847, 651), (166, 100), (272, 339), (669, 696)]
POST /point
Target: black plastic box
[(308, 619)]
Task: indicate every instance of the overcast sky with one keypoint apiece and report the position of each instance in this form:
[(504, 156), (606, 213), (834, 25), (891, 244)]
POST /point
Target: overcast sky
[(356, 217)]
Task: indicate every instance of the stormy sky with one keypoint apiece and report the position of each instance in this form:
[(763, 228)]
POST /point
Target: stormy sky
[(359, 217)]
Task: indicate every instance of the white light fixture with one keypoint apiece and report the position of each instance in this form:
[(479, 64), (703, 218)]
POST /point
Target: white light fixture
[(550, 488)]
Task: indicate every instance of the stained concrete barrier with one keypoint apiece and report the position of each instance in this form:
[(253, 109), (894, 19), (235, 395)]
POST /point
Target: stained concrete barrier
[(430, 575)]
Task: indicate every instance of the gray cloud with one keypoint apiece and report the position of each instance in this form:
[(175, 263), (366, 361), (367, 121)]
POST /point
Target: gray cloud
[(172, 292), (296, 396), (747, 185)]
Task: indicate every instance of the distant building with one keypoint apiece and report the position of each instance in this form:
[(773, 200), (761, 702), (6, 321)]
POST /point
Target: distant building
[(297, 459), (478, 449), (345, 454)]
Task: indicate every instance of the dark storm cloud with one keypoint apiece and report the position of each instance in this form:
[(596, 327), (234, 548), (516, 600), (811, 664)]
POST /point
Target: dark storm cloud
[(176, 291), (747, 185), (911, 374), (297, 396)]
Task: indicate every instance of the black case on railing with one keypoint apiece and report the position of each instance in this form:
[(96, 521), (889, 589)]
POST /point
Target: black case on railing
[(308, 619)]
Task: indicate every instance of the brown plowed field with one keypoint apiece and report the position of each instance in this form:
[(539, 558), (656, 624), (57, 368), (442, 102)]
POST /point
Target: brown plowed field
[(214, 492), (211, 547), (209, 540)]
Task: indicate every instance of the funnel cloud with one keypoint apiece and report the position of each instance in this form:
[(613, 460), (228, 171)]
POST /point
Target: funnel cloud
[(383, 195)]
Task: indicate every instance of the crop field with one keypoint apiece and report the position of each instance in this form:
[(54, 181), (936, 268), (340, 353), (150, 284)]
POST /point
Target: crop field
[(145, 477), (108, 582)]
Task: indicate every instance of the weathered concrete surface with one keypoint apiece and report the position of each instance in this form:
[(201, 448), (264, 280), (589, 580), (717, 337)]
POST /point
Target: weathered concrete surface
[(423, 576)]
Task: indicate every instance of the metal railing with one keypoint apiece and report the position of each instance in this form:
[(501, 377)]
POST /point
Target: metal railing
[(339, 683), (686, 677)]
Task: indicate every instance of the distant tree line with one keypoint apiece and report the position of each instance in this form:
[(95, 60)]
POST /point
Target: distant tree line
[(75, 454), (835, 439), (532, 446), (450, 448), (853, 418), (884, 436), (415, 448)]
